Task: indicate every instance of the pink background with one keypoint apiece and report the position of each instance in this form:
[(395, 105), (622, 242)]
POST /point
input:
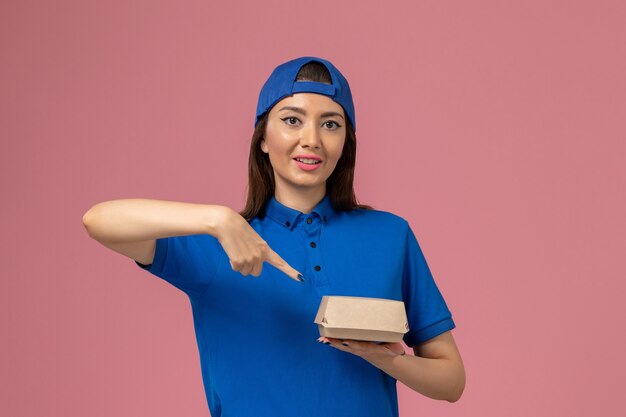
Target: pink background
[(496, 128)]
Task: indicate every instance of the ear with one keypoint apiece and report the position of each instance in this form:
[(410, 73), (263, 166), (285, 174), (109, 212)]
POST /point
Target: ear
[(264, 146)]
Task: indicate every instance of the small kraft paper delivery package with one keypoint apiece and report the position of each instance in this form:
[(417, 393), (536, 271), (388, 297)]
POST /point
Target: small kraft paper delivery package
[(362, 318)]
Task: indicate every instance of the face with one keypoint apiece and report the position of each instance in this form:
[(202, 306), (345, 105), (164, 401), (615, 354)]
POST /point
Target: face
[(304, 124)]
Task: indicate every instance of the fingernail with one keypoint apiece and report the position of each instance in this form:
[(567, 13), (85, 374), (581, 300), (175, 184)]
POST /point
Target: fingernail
[(300, 277)]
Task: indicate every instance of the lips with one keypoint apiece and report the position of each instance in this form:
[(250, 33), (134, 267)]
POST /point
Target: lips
[(308, 156), (307, 167), (302, 160)]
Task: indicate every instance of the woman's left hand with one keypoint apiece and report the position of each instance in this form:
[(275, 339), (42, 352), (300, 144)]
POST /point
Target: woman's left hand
[(369, 351)]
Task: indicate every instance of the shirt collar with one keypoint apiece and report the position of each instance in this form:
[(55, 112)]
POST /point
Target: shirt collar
[(288, 216)]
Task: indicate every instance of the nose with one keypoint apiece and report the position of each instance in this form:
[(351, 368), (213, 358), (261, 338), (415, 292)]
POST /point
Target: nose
[(310, 135)]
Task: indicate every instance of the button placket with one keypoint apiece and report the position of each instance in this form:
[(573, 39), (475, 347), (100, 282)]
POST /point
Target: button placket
[(313, 228)]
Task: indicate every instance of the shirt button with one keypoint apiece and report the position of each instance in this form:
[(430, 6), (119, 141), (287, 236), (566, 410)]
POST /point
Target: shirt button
[(309, 220), (317, 267), (313, 244), (288, 224)]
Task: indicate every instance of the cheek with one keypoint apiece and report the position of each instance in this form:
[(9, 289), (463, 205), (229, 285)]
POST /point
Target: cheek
[(279, 142), (279, 153), (337, 150), (274, 141)]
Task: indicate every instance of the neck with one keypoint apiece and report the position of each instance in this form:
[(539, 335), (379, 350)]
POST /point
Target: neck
[(303, 201)]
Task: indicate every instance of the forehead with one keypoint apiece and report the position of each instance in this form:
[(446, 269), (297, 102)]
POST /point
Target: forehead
[(311, 102)]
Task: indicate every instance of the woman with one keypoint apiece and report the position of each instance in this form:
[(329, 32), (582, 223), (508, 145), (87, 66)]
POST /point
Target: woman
[(256, 334)]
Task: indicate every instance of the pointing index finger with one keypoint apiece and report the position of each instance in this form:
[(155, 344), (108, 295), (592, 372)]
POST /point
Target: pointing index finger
[(274, 259)]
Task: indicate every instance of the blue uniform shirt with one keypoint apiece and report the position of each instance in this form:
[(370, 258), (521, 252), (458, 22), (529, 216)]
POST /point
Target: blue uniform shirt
[(256, 335)]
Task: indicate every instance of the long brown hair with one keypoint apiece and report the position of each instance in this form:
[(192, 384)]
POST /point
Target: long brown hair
[(261, 175)]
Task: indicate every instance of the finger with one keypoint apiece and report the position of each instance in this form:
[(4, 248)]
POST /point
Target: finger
[(337, 342), (258, 268), (233, 250), (245, 268), (396, 348), (250, 265), (354, 344), (341, 344), (256, 265), (322, 339), (274, 259)]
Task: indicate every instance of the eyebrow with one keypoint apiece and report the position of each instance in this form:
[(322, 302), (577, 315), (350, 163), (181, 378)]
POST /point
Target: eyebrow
[(301, 111)]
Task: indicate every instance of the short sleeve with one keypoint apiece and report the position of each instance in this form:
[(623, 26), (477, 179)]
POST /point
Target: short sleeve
[(427, 312), (187, 262)]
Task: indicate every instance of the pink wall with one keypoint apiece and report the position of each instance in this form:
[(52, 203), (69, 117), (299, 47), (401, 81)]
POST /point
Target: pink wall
[(496, 129)]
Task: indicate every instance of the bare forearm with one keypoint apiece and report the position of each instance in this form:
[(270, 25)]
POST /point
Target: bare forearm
[(440, 379), (138, 219)]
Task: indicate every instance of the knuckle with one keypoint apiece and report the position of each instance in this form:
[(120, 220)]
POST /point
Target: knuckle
[(262, 252)]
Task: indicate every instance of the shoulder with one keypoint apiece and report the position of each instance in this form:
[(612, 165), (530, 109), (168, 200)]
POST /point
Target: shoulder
[(192, 244), (380, 218)]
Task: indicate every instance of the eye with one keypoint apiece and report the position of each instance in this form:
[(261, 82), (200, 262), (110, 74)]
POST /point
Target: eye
[(289, 118), (332, 121)]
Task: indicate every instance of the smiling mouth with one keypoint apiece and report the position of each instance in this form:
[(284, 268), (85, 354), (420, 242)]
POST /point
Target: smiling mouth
[(307, 161)]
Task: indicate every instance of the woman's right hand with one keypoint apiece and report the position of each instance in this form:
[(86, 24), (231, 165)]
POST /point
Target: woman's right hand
[(246, 250)]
